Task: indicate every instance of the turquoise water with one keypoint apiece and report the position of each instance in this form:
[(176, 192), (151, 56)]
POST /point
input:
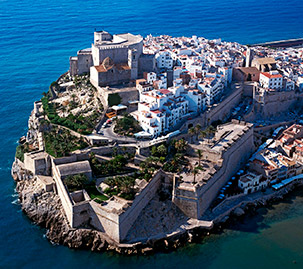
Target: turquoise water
[(36, 40)]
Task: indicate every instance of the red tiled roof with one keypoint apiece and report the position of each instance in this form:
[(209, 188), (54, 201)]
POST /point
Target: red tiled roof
[(268, 75), (164, 91)]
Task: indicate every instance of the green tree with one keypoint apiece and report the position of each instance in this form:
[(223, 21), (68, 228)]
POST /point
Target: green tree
[(195, 172), (162, 150), (181, 145), (75, 182), (154, 151), (199, 152), (191, 132)]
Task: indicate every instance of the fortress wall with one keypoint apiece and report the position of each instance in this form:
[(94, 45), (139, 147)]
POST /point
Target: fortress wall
[(186, 200), (126, 94), (195, 203), (81, 213), (104, 221), (279, 102), (223, 109), (219, 111), (94, 76), (248, 89), (187, 205), (267, 128), (73, 65), (106, 150), (114, 77), (96, 55), (127, 219), (71, 159), (131, 94), (64, 195), (234, 159), (118, 55), (29, 163), (38, 165), (117, 225)]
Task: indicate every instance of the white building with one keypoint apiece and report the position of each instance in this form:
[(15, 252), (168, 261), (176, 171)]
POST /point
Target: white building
[(212, 87), (197, 100), (164, 60), (271, 80), (160, 110), (251, 182), (150, 77)]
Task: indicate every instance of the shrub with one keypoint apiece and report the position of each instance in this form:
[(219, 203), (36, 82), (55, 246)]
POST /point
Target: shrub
[(75, 182), (114, 99), (60, 143), (127, 125), (111, 167), (78, 123), (20, 153), (20, 150)]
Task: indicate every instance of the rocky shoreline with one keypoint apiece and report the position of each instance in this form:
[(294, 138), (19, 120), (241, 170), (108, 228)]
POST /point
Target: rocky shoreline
[(45, 209)]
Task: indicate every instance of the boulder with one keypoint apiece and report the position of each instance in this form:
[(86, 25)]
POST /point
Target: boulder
[(239, 212)]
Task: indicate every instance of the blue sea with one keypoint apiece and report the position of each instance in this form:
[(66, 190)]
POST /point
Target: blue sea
[(36, 40)]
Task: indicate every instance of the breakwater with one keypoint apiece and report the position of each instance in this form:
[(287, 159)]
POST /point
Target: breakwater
[(282, 43)]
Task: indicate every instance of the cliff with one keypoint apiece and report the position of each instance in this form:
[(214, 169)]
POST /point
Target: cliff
[(45, 209)]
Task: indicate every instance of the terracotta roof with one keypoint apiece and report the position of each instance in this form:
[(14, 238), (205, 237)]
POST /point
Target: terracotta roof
[(164, 91), (268, 75)]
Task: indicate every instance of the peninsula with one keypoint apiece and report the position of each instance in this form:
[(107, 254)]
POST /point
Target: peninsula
[(148, 143)]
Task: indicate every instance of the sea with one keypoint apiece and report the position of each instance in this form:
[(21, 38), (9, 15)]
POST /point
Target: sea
[(36, 40)]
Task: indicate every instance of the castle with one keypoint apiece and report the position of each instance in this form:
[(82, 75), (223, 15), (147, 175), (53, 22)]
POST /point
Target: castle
[(113, 59)]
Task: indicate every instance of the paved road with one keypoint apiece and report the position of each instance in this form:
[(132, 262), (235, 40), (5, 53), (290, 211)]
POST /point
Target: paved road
[(108, 132)]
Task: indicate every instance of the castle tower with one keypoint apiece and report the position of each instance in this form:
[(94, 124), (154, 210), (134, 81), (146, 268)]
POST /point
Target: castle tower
[(133, 58), (101, 36), (249, 57)]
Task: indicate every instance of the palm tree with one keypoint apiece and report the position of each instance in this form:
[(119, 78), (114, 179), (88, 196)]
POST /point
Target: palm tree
[(197, 130), (211, 129), (181, 145), (202, 134), (195, 172), (191, 132), (199, 152)]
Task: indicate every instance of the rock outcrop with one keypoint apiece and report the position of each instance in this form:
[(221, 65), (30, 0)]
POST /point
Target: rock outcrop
[(45, 209)]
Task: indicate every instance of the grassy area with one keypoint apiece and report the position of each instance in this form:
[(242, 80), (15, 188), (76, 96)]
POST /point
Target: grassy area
[(78, 123), (80, 182), (60, 143), (93, 193), (127, 125), (20, 150)]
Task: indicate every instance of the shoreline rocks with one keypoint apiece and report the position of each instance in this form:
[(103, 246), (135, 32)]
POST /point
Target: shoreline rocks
[(45, 210)]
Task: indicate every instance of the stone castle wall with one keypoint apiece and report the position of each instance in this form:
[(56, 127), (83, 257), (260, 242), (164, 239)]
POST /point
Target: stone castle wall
[(126, 94), (127, 219), (117, 225), (64, 195), (218, 111), (194, 202)]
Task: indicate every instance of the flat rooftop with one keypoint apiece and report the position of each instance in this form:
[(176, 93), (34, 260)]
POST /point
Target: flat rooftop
[(126, 39), (74, 168), (115, 205), (266, 60), (227, 134)]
